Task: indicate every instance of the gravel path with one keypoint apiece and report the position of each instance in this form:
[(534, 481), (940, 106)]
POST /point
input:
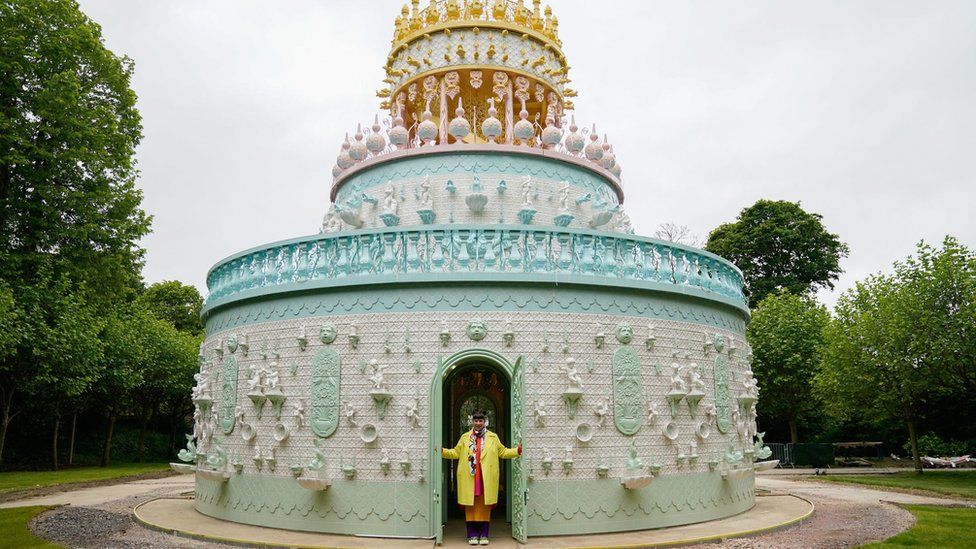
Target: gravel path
[(109, 524), (845, 516)]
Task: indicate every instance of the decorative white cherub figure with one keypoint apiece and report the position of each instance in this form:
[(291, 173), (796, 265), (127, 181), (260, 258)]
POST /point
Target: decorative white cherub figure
[(413, 413), (198, 424), (300, 412), (564, 197), (695, 382), (572, 374), (678, 384), (602, 411), (540, 413), (254, 381), (425, 201), (349, 413), (527, 191), (390, 204), (652, 413), (377, 377), (750, 386), (202, 387), (271, 376)]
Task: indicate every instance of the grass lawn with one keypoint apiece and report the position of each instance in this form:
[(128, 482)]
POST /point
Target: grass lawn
[(935, 527), (947, 483), (13, 527), (25, 480)]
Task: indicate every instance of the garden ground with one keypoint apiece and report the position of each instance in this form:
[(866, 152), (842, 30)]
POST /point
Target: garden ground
[(847, 515)]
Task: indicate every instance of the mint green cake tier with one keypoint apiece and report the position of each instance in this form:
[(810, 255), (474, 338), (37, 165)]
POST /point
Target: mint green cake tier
[(339, 362)]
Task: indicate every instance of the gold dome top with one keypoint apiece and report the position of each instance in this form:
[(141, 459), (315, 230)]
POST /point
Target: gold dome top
[(505, 14)]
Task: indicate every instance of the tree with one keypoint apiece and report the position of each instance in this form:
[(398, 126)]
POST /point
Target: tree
[(125, 361), (679, 234), (68, 132), (940, 289), (901, 340), (171, 359), (11, 333), (70, 216), (778, 245), (68, 354), (786, 333), (177, 303)]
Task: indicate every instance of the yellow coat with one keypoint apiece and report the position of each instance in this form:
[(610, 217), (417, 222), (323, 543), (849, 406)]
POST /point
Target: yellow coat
[(491, 450)]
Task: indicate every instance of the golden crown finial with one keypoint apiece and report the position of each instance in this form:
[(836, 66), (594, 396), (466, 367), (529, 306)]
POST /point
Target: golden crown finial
[(415, 21)]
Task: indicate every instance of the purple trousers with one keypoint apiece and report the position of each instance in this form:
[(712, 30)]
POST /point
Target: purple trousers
[(477, 529)]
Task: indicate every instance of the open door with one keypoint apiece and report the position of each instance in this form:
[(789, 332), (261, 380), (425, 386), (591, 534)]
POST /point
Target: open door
[(438, 509), (520, 490)]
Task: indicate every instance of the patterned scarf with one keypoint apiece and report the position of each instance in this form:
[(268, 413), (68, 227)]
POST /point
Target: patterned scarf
[(473, 446)]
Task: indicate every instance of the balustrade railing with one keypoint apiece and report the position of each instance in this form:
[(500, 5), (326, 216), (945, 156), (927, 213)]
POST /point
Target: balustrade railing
[(438, 249)]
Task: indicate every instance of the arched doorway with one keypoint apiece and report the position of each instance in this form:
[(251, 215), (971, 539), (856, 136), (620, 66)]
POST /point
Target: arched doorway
[(466, 380), (471, 386)]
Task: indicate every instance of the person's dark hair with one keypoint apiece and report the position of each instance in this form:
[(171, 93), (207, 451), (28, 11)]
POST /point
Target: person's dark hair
[(479, 414)]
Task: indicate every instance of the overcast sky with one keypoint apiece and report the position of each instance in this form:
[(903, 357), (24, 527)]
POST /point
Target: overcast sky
[(864, 111)]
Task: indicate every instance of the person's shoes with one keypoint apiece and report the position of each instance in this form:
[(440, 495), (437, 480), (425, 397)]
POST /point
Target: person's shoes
[(472, 541), (483, 541)]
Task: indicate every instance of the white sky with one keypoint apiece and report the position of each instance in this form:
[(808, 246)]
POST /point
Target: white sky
[(865, 111)]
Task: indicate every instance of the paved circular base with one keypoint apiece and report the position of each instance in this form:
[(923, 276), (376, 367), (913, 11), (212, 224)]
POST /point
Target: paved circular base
[(177, 516)]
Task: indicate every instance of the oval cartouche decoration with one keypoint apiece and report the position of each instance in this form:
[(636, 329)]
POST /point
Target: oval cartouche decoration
[(628, 388), (723, 397), (325, 392), (228, 395)]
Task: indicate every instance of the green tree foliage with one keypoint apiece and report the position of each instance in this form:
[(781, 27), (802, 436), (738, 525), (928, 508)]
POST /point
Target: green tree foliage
[(68, 132), (11, 331), (176, 302), (785, 333), (778, 245), (897, 341), (70, 217)]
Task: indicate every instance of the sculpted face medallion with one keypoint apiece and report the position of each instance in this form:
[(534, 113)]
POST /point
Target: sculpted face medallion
[(625, 333), (327, 334), (477, 330)]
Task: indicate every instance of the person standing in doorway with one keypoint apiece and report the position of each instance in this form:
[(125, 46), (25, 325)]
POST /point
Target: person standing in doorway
[(477, 475)]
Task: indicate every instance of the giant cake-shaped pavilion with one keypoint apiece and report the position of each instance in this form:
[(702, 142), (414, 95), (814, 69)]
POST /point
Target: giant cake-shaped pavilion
[(476, 256)]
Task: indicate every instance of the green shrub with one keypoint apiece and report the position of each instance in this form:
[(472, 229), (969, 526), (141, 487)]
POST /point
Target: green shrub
[(930, 444)]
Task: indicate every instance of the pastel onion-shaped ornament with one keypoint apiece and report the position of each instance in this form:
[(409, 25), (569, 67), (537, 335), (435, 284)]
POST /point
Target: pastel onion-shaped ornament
[(491, 127), (357, 150), (608, 159), (399, 136), (375, 143), (459, 128), (593, 150), (574, 141), (336, 171), (344, 160), (427, 130), (523, 128), (551, 135)]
